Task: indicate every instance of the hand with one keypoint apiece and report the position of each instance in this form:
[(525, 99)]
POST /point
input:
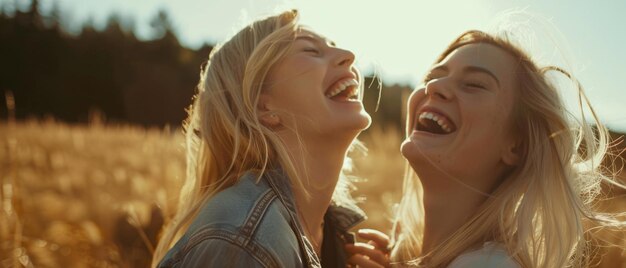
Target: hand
[(374, 253)]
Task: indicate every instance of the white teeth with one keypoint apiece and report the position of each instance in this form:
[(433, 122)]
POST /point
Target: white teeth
[(350, 84), (440, 121)]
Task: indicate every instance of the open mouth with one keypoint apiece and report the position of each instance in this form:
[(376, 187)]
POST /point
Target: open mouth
[(434, 123), (344, 90)]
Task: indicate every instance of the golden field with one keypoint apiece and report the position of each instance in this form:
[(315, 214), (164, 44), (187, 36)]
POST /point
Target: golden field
[(96, 195)]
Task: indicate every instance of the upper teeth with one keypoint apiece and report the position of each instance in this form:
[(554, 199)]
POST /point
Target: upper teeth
[(343, 85), (437, 118)]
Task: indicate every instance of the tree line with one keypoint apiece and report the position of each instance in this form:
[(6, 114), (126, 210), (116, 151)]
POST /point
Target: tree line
[(50, 72)]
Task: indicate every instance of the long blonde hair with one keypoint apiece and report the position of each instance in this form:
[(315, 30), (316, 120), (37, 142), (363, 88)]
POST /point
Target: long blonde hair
[(224, 137), (539, 212)]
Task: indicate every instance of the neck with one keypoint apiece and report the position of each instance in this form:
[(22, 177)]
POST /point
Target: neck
[(318, 164), (446, 209)]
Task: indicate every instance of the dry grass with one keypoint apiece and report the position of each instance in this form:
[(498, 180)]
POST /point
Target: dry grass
[(95, 196), (72, 196)]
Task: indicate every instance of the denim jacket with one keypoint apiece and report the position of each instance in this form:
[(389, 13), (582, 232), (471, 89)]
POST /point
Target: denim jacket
[(253, 224)]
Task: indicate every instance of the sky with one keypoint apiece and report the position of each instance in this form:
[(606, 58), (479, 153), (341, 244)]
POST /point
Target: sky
[(400, 39)]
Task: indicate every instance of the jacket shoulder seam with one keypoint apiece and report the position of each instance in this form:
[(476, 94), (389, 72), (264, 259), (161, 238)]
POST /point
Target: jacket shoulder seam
[(258, 252)]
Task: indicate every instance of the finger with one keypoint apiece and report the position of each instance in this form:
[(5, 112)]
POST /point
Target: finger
[(356, 248), (363, 262), (376, 246), (369, 252), (363, 245), (378, 237)]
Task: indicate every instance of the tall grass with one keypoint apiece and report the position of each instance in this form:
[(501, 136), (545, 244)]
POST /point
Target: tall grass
[(96, 195), (77, 196)]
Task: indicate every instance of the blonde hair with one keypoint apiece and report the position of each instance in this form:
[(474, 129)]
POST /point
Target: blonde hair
[(540, 211), (224, 137)]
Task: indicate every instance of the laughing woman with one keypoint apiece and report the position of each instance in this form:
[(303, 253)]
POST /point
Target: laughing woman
[(500, 178), (278, 109)]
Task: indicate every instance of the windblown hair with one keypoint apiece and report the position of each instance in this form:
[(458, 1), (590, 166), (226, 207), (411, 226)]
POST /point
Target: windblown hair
[(541, 210), (224, 137)]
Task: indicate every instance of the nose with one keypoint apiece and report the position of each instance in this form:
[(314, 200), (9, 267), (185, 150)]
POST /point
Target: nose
[(440, 88), (344, 57)]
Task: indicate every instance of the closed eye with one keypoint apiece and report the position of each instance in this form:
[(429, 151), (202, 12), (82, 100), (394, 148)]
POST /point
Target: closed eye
[(475, 85), (311, 50)]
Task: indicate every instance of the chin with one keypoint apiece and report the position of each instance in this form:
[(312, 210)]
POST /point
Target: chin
[(366, 121), (357, 122), (409, 150), (412, 153)]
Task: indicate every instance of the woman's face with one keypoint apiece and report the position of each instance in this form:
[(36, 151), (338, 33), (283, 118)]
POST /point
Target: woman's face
[(459, 119), (314, 88)]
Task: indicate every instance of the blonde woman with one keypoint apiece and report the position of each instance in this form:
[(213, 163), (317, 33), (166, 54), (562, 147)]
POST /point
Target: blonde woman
[(498, 175), (278, 108)]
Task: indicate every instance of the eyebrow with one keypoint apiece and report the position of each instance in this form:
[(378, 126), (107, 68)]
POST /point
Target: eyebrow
[(469, 69), (316, 40), (476, 69)]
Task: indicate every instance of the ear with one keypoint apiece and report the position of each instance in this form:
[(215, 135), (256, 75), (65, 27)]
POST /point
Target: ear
[(512, 153), (267, 116)]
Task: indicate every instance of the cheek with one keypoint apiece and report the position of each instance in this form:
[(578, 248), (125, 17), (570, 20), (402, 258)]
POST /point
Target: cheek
[(484, 125), (412, 104), (415, 97), (486, 141), (500, 120), (298, 89), (299, 100), (303, 66), (488, 113), (487, 126), (291, 68)]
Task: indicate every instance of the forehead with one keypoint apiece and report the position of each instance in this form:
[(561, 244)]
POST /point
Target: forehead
[(486, 56)]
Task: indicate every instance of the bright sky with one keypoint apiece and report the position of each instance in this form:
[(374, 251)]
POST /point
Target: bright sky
[(400, 39)]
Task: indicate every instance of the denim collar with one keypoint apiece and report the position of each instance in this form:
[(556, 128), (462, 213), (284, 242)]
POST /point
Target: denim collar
[(345, 216)]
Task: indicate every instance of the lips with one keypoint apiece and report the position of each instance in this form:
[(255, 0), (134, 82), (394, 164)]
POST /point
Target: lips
[(345, 88), (434, 121)]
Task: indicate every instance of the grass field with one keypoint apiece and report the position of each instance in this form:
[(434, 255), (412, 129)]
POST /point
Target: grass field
[(96, 196)]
